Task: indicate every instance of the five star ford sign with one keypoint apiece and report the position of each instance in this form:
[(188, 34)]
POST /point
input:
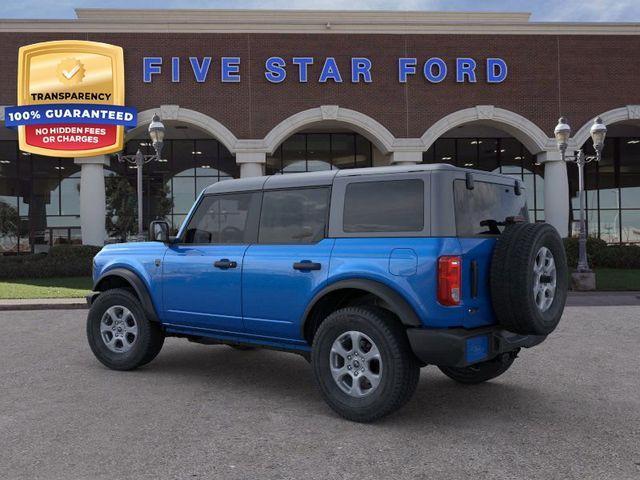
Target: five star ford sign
[(70, 99)]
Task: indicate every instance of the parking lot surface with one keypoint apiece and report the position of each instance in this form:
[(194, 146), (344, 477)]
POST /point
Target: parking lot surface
[(569, 408)]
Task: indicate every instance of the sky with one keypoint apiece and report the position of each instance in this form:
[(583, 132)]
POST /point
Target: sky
[(542, 10)]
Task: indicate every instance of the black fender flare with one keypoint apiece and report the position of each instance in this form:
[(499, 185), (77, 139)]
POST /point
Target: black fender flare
[(393, 299), (136, 283)]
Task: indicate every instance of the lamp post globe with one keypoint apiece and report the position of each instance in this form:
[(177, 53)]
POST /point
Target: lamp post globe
[(598, 133), (562, 133), (156, 133)]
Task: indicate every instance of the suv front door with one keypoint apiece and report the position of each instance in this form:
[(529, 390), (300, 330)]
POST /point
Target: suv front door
[(291, 259), (202, 272)]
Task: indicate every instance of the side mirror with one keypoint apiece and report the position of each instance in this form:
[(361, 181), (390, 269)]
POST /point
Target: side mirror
[(159, 231)]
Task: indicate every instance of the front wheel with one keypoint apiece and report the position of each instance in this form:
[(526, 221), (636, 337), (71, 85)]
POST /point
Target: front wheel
[(119, 333), (480, 372), (363, 363)]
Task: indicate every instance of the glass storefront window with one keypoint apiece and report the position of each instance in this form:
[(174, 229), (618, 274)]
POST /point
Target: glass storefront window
[(487, 158), (511, 156), (44, 192), (307, 152), (630, 225), (445, 151), (318, 151), (182, 162), (343, 149), (467, 152), (184, 194), (8, 158), (610, 225), (364, 152), (70, 196), (294, 154), (204, 182)]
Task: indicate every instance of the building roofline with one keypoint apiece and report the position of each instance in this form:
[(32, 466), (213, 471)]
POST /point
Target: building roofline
[(310, 21)]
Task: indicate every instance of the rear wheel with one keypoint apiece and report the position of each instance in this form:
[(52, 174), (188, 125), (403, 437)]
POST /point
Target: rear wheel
[(363, 363), (119, 333), (480, 372)]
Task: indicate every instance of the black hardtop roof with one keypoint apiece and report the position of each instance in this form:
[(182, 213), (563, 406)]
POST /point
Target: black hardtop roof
[(326, 177)]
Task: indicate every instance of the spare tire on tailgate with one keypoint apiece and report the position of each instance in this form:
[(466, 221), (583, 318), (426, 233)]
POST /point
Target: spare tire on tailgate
[(529, 278)]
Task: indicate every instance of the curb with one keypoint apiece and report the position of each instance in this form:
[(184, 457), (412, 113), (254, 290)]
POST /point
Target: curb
[(43, 304)]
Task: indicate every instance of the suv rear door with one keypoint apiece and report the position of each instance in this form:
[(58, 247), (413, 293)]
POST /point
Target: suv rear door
[(291, 259), (480, 216), (202, 271)]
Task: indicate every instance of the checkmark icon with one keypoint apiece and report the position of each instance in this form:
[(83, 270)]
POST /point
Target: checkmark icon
[(71, 73)]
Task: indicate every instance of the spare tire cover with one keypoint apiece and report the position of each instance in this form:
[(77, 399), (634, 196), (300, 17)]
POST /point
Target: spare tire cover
[(529, 278)]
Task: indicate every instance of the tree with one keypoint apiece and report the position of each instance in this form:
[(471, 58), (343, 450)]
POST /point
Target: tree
[(122, 206), (9, 221), (162, 201), (122, 213)]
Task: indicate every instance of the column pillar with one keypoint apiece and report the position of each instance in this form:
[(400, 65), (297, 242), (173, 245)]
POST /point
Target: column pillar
[(93, 206), (251, 163), (405, 158), (556, 191)]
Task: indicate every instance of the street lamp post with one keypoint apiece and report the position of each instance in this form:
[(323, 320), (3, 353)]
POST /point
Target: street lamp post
[(562, 133), (156, 133)]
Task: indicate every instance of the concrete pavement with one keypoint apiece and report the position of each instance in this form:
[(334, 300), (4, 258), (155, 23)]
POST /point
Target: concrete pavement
[(569, 408)]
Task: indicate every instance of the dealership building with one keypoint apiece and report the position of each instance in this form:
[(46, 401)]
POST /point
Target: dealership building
[(246, 93)]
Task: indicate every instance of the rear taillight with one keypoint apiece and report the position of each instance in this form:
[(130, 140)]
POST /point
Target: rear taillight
[(449, 268)]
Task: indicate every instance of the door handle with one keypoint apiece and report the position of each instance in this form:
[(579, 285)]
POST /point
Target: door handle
[(306, 265), (225, 263)]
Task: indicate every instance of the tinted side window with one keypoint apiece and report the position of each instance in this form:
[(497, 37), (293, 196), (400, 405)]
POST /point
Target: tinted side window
[(228, 219), (387, 206), (294, 216), (479, 211)]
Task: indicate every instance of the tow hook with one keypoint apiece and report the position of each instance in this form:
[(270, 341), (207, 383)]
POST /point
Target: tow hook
[(508, 356)]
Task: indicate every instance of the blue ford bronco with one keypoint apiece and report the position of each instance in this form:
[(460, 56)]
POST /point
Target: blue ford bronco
[(370, 274)]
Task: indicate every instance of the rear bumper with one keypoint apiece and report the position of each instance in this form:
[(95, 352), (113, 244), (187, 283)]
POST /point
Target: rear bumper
[(458, 347)]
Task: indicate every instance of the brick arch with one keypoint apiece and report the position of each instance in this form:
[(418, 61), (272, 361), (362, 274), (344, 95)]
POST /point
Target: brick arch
[(192, 117), (527, 132), (382, 138), (616, 115)]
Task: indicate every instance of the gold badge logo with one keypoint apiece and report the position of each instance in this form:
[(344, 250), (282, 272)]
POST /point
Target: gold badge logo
[(70, 71), (71, 98)]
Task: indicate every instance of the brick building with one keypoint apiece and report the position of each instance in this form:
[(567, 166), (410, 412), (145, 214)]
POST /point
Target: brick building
[(273, 92)]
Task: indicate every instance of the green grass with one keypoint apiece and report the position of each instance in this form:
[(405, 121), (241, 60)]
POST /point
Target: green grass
[(615, 279), (70, 287)]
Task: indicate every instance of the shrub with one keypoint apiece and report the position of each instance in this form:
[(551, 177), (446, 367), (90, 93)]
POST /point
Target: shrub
[(601, 255), (571, 247), (61, 261)]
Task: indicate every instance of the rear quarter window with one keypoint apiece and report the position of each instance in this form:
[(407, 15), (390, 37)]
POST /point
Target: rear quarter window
[(483, 210), (384, 206)]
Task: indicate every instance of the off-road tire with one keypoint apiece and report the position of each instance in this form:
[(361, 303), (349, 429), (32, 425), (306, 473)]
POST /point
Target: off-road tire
[(149, 340), (400, 370), (512, 278), (480, 372)]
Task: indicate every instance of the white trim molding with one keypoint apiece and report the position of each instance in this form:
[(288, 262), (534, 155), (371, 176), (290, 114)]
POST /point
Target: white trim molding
[(192, 117), (622, 114), (531, 136), (373, 130)]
